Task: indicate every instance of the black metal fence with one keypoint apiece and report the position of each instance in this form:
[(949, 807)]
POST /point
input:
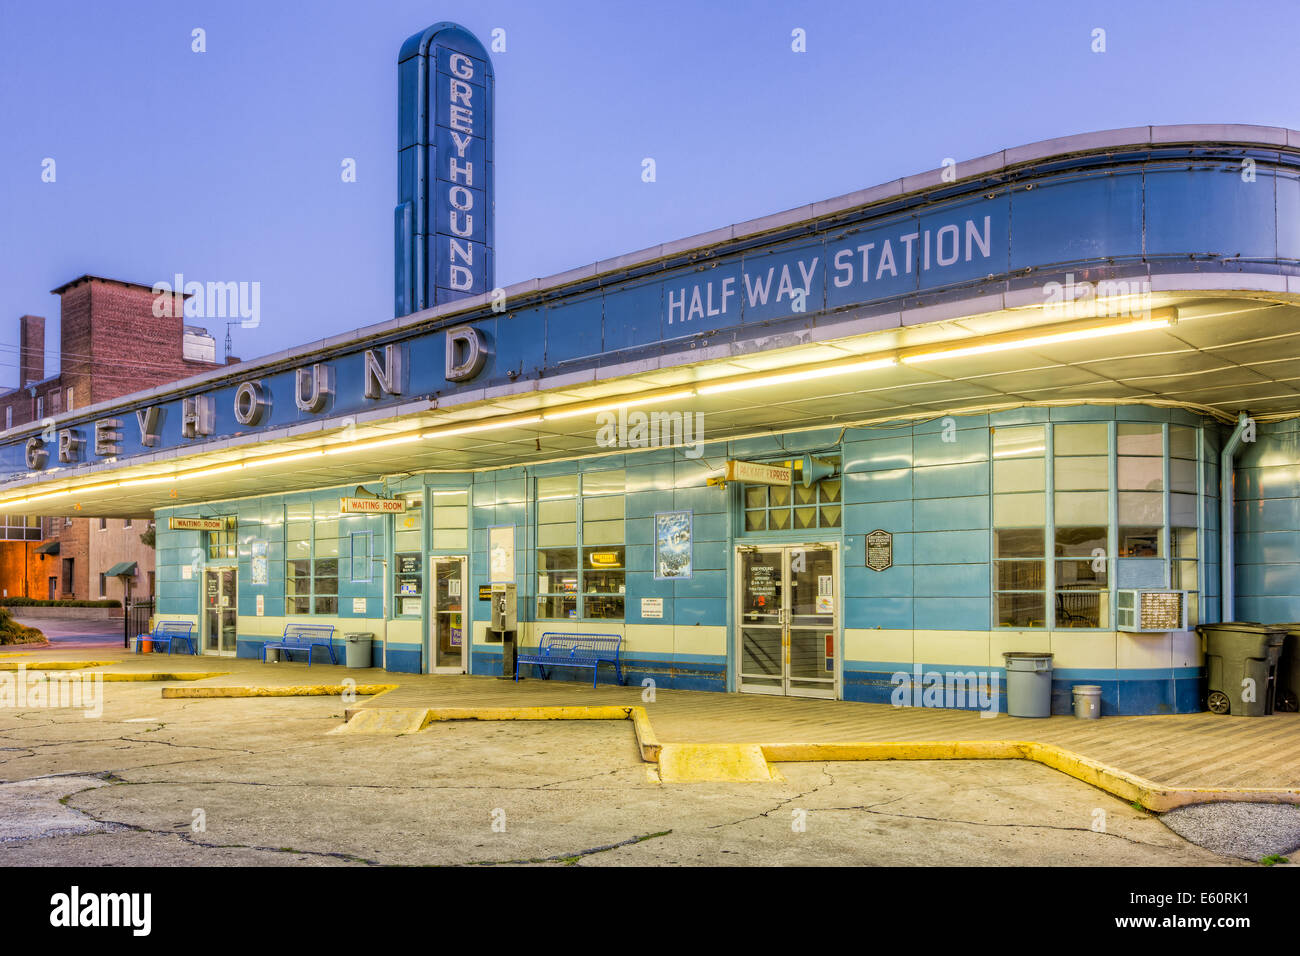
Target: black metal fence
[(136, 619)]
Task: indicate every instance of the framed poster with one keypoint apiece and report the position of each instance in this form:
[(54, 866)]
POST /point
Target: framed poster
[(501, 554), (673, 545), (259, 570)]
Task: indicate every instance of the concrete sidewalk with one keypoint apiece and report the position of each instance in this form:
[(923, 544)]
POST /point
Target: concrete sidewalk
[(1185, 751)]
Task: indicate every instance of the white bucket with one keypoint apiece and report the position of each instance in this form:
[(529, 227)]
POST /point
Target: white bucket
[(1087, 701)]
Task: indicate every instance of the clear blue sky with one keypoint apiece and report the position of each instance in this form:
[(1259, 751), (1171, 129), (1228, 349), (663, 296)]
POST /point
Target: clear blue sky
[(225, 165)]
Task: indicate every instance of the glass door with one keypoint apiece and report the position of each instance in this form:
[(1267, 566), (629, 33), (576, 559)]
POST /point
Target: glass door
[(788, 620), (447, 617), (220, 609)]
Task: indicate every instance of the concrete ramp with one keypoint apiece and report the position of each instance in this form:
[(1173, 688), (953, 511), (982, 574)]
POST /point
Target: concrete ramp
[(714, 763), (385, 720)]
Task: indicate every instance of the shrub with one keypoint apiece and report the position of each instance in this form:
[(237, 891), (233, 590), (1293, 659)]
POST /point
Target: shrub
[(11, 632)]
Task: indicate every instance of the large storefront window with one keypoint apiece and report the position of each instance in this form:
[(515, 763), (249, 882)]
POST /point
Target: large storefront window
[(1149, 492), (311, 565), (1081, 510), (1019, 522), (581, 553)]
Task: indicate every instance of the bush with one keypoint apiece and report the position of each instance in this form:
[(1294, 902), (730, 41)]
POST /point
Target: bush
[(11, 632), (40, 602)]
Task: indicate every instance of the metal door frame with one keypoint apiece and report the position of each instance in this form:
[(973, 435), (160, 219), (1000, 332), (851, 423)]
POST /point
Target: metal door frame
[(837, 626), (430, 629), (218, 570)]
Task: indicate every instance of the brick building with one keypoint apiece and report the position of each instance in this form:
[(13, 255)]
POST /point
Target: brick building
[(111, 342)]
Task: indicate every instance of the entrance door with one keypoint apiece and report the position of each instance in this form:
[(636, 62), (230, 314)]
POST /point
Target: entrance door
[(788, 619), (447, 624), (219, 611)]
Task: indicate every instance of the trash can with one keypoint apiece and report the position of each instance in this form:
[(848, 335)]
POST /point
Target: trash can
[(1234, 652), (1087, 701), (273, 655), (1288, 670), (1029, 683), (358, 649)]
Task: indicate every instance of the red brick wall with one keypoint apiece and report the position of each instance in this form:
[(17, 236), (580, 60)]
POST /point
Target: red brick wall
[(112, 344)]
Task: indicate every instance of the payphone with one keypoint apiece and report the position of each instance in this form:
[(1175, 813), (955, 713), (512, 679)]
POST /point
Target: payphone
[(504, 626)]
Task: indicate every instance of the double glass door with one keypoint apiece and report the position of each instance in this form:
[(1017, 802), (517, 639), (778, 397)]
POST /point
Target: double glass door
[(788, 619), (447, 618), (220, 609)]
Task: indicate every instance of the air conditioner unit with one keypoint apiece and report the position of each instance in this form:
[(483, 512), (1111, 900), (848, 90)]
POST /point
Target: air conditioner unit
[(1149, 612)]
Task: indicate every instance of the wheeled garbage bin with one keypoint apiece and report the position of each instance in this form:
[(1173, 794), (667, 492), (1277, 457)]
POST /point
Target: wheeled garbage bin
[(1241, 666), (1029, 683), (358, 649), (1288, 670)]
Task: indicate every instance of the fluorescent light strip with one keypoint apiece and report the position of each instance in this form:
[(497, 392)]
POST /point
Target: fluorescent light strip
[(757, 381), (1143, 325), (798, 376), (616, 403)]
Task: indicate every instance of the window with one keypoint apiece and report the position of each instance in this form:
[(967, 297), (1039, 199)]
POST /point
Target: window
[(103, 524), (1121, 491), (1081, 502), (1141, 483), (581, 552), (103, 584), (221, 544), (9, 417), (67, 522), (408, 565), (782, 507), (450, 520), (68, 589), (20, 528), (1183, 569), (40, 407), (68, 403), (311, 572), (126, 523), (1019, 526)]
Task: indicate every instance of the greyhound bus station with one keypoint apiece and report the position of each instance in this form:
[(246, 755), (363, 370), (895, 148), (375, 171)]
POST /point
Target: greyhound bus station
[(1044, 400)]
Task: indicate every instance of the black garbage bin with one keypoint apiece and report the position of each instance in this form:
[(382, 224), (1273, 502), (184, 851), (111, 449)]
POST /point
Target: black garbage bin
[(1235, 651), (1288, 670)]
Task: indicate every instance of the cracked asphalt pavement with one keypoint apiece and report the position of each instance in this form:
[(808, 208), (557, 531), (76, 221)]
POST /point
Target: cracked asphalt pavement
[(260, 781)]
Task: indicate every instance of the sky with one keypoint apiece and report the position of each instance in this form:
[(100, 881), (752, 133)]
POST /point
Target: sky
[(225, 165)]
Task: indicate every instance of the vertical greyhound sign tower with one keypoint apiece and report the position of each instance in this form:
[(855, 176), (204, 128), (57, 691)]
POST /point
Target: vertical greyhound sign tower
[(443, 221)]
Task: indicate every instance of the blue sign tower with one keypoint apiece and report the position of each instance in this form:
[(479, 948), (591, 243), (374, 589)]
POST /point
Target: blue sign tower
[(443, 222)]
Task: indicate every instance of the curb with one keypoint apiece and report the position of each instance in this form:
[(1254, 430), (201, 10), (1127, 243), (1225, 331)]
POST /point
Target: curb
[(301, 690), (740, 762)]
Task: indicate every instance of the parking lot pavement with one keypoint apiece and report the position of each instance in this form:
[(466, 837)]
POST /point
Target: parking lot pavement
[(261, 781), (69, 634)]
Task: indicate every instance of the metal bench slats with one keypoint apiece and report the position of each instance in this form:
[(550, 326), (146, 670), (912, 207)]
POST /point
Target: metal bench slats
[(304, 637), (574, 650), (168, 632)]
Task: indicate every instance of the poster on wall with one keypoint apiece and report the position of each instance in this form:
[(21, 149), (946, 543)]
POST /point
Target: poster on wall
[(501, 554), (673, 546), (259, 569)]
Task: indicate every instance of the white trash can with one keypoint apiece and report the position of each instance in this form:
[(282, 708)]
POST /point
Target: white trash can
[(1087, 701)]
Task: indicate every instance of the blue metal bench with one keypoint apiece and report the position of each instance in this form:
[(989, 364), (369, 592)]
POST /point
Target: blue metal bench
[(574, 650), (304, 637), (168, 633)]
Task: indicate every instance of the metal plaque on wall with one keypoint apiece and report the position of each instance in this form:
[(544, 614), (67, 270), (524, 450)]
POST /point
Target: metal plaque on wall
[(880, 550)]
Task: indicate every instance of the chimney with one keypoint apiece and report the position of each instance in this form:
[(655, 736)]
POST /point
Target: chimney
[(31, 349)]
